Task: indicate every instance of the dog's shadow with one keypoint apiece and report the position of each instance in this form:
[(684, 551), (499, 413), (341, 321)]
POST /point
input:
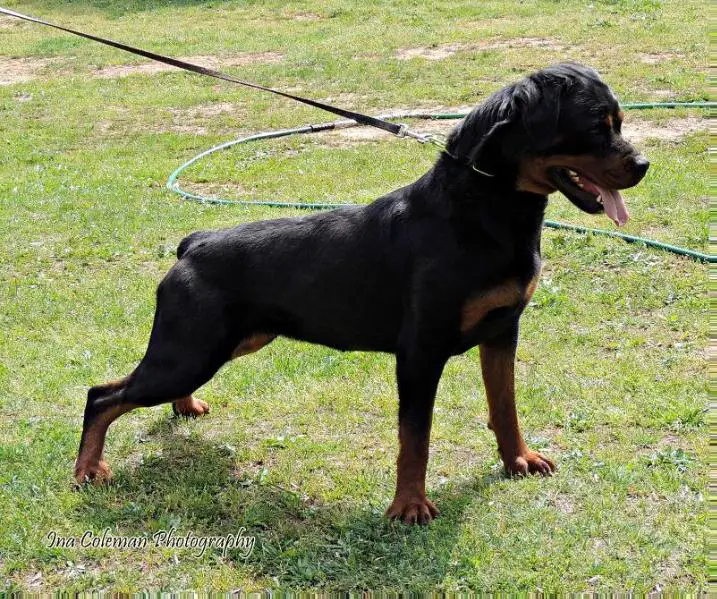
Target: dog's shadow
[(194, 485)]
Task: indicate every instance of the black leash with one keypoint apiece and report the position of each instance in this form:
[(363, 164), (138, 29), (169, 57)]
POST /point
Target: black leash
[(399, 129)]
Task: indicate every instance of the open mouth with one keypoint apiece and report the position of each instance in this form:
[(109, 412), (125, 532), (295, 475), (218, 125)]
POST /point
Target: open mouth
[(589, 196)]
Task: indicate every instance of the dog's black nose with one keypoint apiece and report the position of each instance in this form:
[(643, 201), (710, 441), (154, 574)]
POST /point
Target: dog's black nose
[(640, 165)]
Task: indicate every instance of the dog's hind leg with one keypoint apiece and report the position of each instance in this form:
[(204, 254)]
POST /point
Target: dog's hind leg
[(190, 407), (100, 412), (190, 340)]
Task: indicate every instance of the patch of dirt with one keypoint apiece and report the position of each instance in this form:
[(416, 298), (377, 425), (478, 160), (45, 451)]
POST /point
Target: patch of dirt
[(564, 504), (657, 57), (672, 130), (10, 22), (442, 51), (668, 441), (206, 111), (186, 128), (119, 127), (216, 190), (353, 136), (523, 42), (34, 580), (304, 16), (435, 53), (443, 127), (195, 120), (662, 94), (343, 99), (212, 62), (22, 70)]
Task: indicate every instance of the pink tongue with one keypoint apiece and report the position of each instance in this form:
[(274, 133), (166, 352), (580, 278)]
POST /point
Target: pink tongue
[(612, 200)]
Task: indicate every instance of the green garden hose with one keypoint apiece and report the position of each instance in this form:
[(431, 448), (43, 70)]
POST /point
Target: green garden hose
[(173, 184)]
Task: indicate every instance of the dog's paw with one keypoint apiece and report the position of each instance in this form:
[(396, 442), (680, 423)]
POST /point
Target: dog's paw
[(98, 473), (412, 510), (529, 462), (190, 407)]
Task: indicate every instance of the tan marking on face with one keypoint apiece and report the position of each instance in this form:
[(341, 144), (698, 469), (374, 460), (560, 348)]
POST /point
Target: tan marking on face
[(606, 171), (620, 116), (252, 344), (532, 177), (476, 308), (609, 120)]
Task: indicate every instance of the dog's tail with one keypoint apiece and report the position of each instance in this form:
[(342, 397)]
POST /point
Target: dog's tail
[(189, 241)]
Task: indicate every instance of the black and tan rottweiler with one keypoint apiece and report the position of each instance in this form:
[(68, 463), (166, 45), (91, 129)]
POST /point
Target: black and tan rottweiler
[(425, 272)]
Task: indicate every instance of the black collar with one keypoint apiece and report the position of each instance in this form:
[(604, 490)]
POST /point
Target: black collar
[(467, 163)]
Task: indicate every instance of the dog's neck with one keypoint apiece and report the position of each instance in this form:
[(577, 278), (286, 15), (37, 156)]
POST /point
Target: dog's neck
[(464, 192)]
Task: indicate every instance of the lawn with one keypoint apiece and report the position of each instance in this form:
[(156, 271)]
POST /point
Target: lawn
[(299, 448)]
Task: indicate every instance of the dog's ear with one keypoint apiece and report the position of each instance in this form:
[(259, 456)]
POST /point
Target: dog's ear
[(541, 114), (477, 153)]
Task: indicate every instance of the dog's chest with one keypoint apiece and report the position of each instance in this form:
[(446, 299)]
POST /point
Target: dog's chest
[(512, 295)]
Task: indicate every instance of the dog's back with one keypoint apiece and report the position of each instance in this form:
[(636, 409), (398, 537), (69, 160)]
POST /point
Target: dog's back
[(337, 278)]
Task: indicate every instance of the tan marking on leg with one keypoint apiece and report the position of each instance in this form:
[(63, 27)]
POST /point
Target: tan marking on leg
[(498, 366), (498, 377), (530, 289), (89, 466), (253, 343), (191, 407), (112, 386), (410, 503), (475, 309)]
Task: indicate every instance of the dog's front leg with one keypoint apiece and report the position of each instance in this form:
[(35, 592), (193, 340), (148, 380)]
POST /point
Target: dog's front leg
[(497, 358), (417, 373)]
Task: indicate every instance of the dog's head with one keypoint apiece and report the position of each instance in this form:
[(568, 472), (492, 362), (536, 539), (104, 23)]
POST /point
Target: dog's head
[(558, 129)]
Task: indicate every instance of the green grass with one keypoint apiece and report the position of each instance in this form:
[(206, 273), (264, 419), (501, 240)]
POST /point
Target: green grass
[(300, 445)]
